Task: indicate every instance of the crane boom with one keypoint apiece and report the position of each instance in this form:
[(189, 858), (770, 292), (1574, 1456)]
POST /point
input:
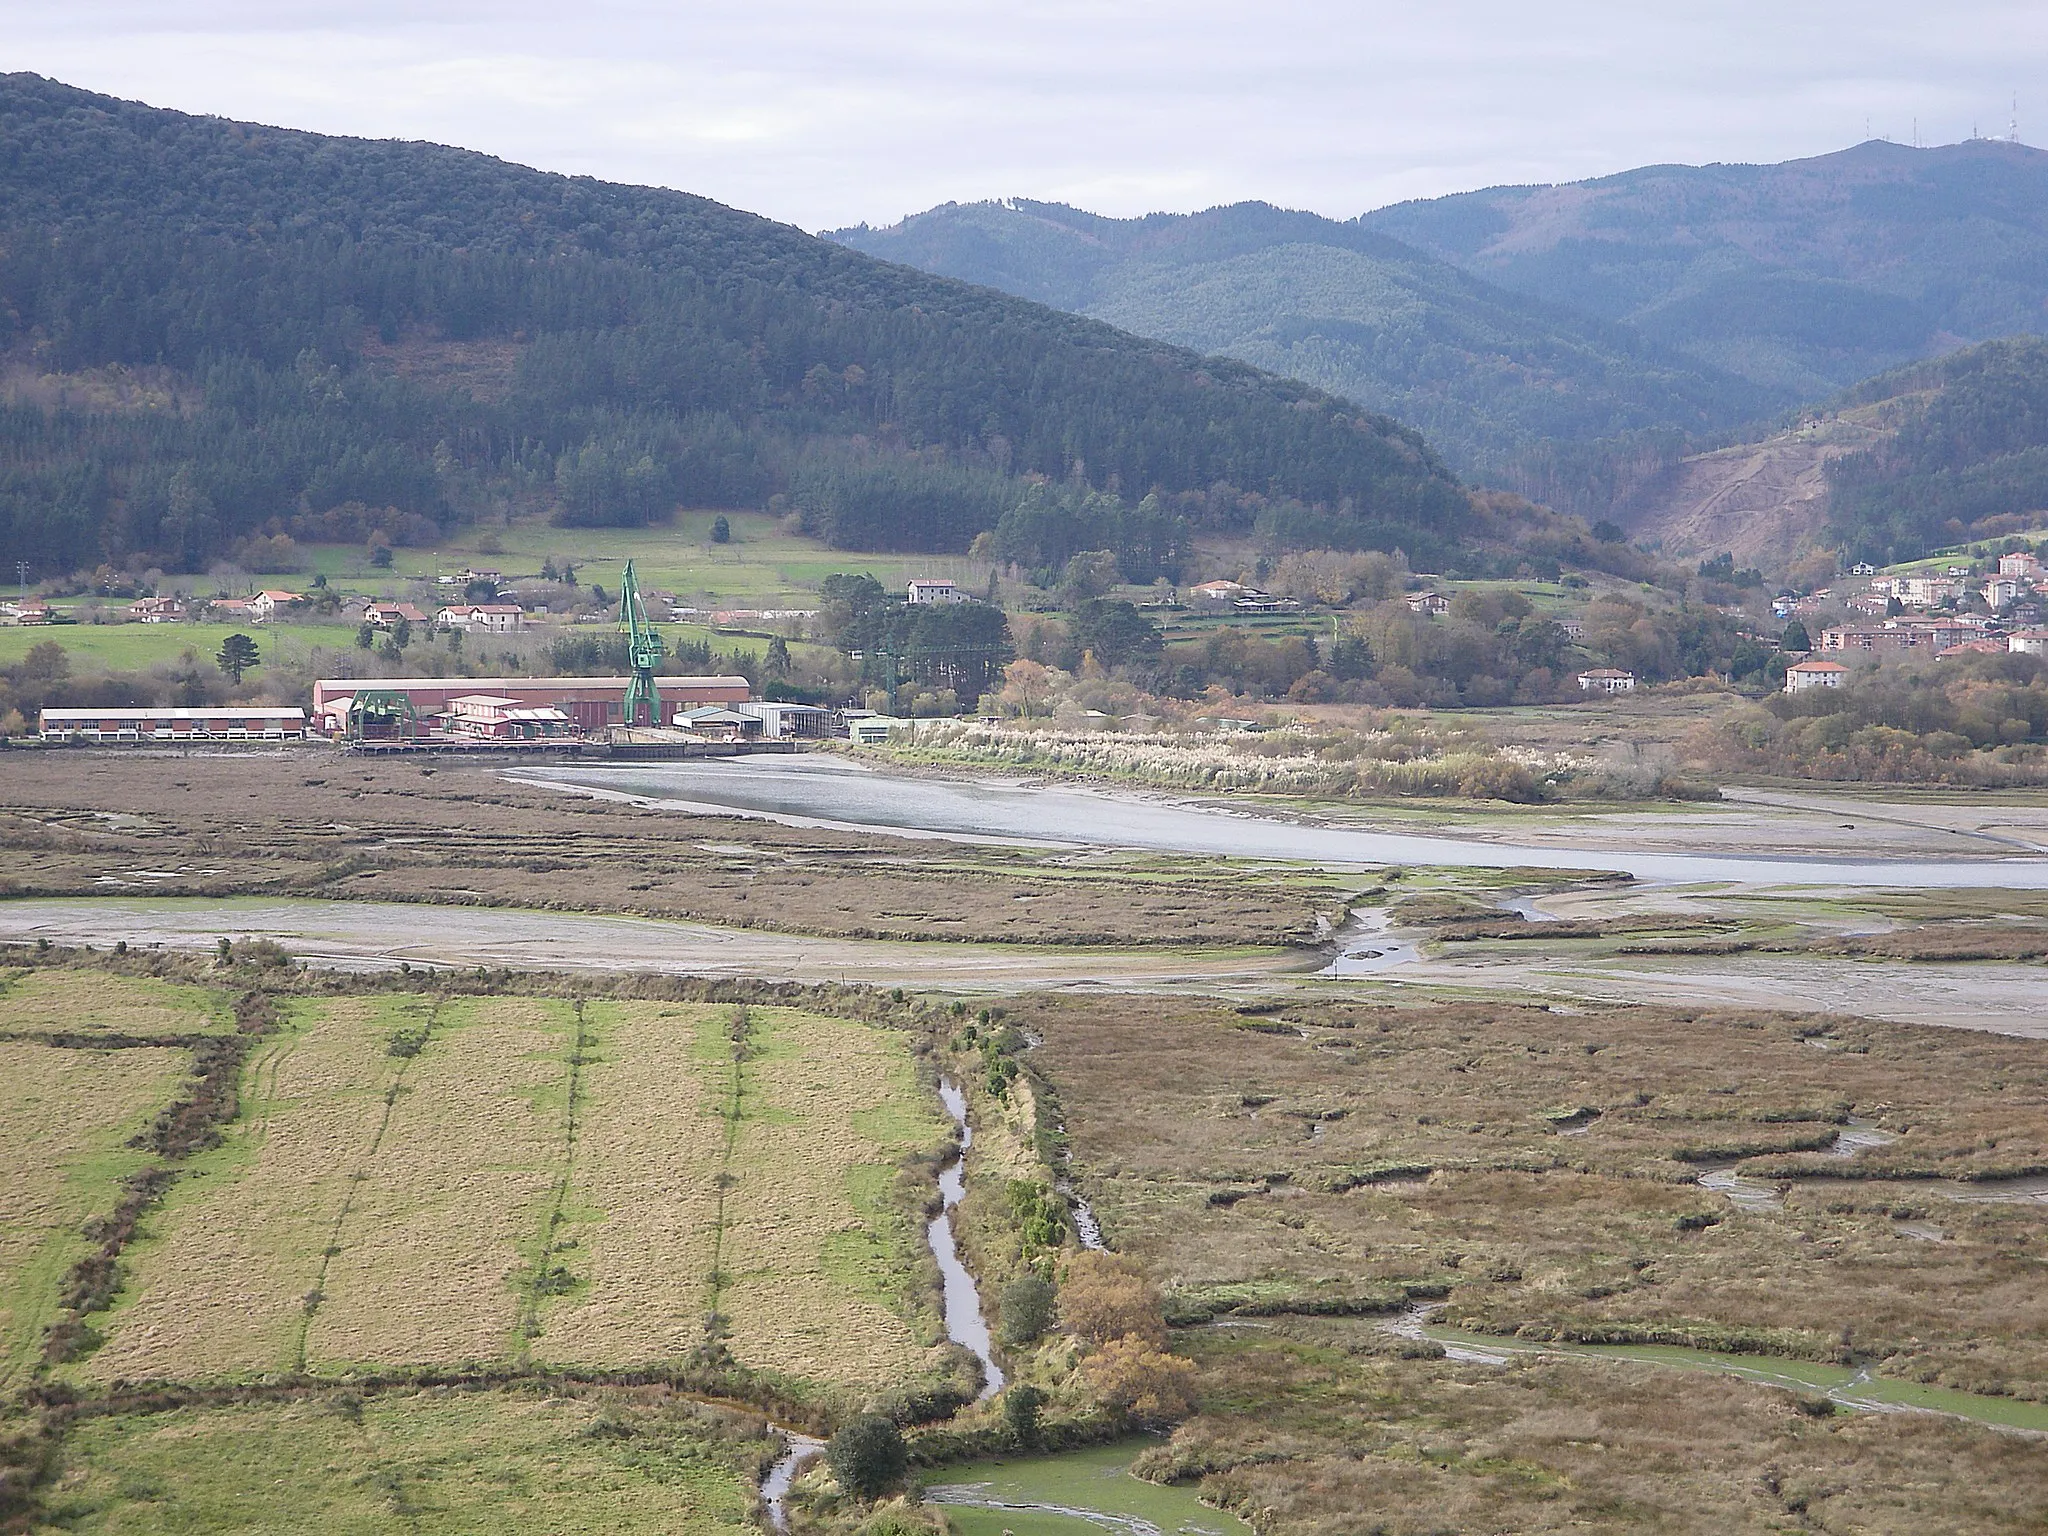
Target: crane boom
[(643, 654)]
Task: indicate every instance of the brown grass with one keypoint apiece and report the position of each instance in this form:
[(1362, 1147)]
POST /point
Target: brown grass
[(1309, 1428), (317, 824), (431, 1248), (644, 1201), (820, 1267), (1366, 1150), (50, 1001)]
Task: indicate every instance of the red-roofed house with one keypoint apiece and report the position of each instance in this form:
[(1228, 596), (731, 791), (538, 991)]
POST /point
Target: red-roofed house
[(1814, 674)]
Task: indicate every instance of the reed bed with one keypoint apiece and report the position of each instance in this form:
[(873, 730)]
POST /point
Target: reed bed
[(1319, 764)]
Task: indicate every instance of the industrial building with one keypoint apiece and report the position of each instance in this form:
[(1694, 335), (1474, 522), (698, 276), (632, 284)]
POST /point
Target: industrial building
[(588, 703), (237, 722)]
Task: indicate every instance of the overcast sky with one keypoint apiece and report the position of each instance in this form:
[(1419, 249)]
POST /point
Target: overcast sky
[(825, 113)]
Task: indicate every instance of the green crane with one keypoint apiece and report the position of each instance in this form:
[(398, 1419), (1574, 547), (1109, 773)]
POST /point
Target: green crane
[(643, 654)]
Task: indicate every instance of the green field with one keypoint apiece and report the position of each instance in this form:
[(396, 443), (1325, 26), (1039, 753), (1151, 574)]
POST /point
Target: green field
[(132, 647), (762, 565), (426, 1462), (417, 1181)]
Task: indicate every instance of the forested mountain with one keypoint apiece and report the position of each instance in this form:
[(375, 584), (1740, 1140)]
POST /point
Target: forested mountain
[(1966, 453), (1907, 462), (1483, 371), (213, 331), (1805, 276)]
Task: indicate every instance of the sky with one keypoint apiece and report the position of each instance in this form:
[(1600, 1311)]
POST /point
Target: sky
[(826, 113)]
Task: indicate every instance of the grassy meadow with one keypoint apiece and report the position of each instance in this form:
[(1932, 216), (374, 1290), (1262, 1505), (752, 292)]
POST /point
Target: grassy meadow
[(414, 1181), (482, 1463)]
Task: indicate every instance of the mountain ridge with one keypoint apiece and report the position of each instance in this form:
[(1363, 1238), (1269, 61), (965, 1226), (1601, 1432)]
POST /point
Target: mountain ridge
[(668, 347)]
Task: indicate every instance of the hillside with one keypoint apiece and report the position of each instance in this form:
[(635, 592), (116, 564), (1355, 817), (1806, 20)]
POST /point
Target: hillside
[(1481, 370), (213, 331), (1907, 462), (1804, 276)]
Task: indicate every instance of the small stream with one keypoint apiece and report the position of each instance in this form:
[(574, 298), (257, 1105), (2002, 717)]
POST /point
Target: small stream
[(965, 1325), (1852, 1387)]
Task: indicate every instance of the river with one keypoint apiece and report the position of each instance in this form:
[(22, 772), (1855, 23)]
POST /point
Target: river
[(822, 790)]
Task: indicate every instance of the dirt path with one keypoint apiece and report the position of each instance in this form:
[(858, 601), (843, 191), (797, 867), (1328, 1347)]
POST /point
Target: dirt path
[(380, 935)]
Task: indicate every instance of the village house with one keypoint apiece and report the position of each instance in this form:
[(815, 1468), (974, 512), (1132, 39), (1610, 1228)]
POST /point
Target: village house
[(1607, 680), (932, 590), (267, 605), (383, 615), (1814, 674), (1985, 644), (2028, 642), (1431, 604), (230, 610), (29, 610), (2023, 566), (1219, 591), (156, 610), (481, 618)]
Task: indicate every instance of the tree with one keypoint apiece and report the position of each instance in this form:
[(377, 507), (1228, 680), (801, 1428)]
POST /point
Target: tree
[(1796, 638), (401, 633), (1106, 1296), (1115, 633), (721, 530), (237, 655), (867, 1456), (366, 635), (1027, 1308), (777, 659), (1021, 1405), (46, 662), (1133, 1377), (380, 552)]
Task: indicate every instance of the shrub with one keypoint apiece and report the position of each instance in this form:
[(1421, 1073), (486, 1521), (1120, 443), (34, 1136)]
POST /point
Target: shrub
[(1106, 1297), (1027, 1309), (1132, 1377), (867, 1456), (1021, 1405)]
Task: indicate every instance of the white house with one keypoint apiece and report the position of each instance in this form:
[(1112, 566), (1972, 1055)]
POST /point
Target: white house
[(1220, 591), (382, 615), (2000, 590), (931, 590), (2028, 642), (1607, 680), (1814, 674), (481, 618), (265, 606), (2026, 567), (1429, 603)]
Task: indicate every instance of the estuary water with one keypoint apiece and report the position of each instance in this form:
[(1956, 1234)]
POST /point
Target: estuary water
[(828, 791)]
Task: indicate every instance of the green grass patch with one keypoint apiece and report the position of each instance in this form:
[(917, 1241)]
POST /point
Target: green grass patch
[(428, 1462)]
